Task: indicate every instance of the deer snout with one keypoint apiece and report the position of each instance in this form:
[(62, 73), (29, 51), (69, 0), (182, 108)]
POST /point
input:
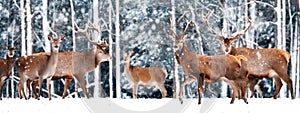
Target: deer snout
[(227, 50), (56, 46)]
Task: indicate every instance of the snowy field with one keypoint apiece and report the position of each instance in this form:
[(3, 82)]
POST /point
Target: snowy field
[(103, 105)]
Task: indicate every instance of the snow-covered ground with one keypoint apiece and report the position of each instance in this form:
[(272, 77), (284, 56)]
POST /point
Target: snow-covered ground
[(106, 105)]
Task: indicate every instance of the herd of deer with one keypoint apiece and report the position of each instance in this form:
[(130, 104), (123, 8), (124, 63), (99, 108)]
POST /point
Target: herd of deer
[(240, 68)]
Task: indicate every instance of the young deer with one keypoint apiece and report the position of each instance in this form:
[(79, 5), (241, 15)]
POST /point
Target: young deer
[(147, 76), (6, 66), (268, 62), (75, 64), (208, 68), (38, 67)]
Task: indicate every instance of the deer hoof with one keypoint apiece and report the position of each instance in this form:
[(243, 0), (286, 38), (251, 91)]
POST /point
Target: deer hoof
[(245, 100), (181, 101)]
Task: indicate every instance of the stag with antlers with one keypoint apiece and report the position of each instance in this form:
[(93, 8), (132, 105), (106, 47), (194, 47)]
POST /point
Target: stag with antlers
[(262, 63), (208, 68), (75, 64)]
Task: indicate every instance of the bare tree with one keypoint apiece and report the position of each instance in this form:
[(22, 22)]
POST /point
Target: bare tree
[(118, 74)]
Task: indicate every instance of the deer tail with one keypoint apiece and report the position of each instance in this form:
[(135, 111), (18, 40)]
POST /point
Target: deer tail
[(285, 54), (239, 58), (165, 73)]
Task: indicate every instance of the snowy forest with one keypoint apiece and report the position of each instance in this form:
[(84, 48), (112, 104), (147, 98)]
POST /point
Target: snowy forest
[(143, 26)]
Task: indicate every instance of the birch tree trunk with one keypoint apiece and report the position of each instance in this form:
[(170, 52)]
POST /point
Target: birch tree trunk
[(29, 27), (118, 74), (176, 82), (293, 47), (297, 43), (110, 50), (45, 26), (74, 40), (224, 85), (23, 37), (97, 90)]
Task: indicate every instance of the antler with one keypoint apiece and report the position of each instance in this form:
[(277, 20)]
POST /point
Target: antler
[(173, 33), (237, 34), (205, 18), (84, 32)]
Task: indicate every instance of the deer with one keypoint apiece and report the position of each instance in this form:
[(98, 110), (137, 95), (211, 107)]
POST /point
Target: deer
[(147, 76), (72, 65), (262, 63), (38, 68), (207, 68), (6, 66)]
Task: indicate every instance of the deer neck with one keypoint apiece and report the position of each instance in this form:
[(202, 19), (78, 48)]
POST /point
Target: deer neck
[(233, 51), (10, 62), (52, 62), (127, 65), (90, 59), (184, 52)]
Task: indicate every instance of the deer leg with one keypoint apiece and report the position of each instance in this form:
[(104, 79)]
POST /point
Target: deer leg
[(134, 90), (33, 87), (244, 91), (163, 90), (21, 87), (49, 87), (82, 84), (288, 81), (182, 85), (67, 83), (28, 86), (1, 85), (234, 91), (278, 86), (19, 91), (40, 87), (200, 89)]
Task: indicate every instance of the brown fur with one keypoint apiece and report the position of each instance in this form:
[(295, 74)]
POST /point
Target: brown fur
[(38, 68), (270, 62), (6, 66), (210, 69), (75, 64), (147, 76)]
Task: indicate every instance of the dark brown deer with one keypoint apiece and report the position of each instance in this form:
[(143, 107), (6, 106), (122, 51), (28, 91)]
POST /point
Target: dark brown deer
[(38, 67), (147, 76), (6, 66), (207, 68), (268, 62), (75, 64)]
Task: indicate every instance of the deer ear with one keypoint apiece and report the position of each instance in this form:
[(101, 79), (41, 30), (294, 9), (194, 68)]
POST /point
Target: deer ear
[(219, 41), (62, 37), (16, 47), (5, 47), (49, 37), (234, 40)]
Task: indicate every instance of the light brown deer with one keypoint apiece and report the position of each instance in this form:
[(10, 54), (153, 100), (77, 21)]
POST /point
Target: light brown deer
[(207, 68), (38, 67), (147, 76), (75, 64), (268, 62), (6, 66)]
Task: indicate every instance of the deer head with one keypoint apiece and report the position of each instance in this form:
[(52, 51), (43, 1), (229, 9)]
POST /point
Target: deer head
[(178, 39), (10, 51), (55, 42), (226, 42)]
